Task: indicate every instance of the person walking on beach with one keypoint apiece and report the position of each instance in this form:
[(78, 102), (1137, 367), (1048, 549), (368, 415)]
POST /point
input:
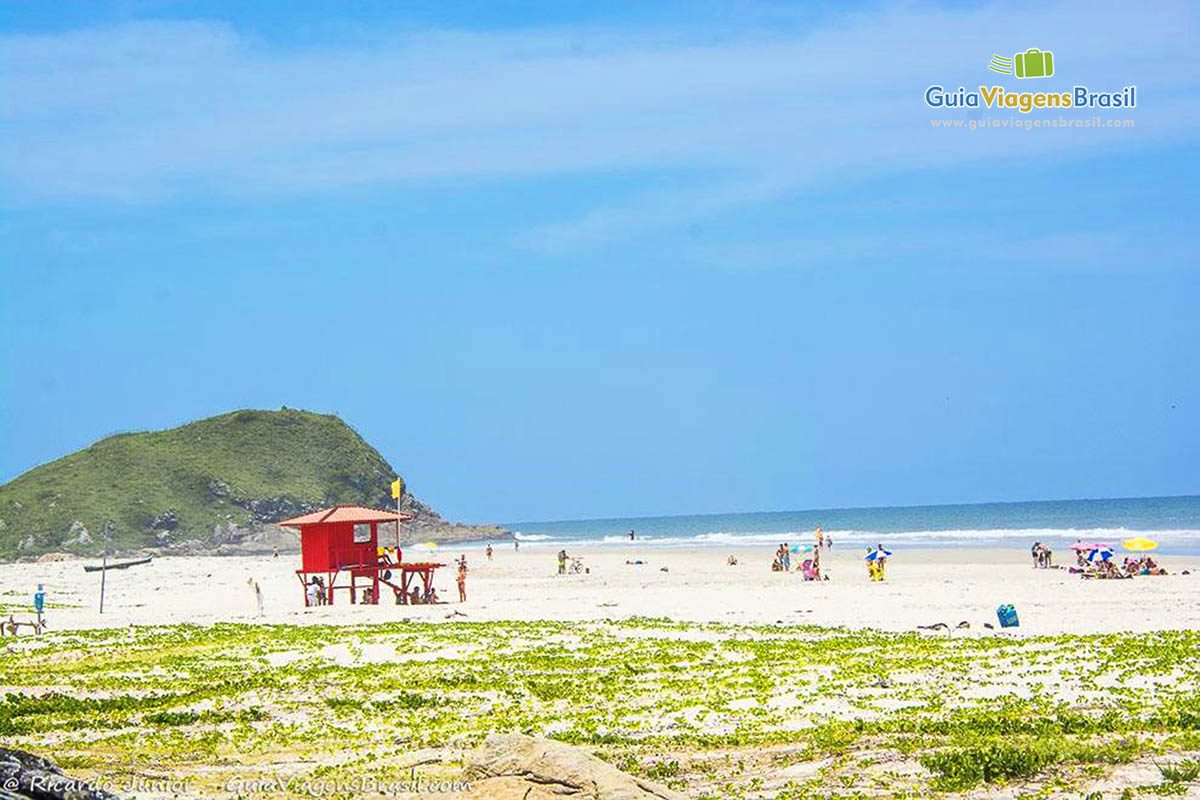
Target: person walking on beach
[(462, 583), (562, 562), (631, 536), (489, 551)]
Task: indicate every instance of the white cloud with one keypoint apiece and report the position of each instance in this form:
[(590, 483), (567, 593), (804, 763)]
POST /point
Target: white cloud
[(1134, 250), (147, 111)]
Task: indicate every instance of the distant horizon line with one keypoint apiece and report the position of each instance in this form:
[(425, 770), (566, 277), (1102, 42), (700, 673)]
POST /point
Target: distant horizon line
[(852, 508)]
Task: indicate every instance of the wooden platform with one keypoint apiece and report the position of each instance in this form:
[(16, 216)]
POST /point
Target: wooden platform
[(366, 580)]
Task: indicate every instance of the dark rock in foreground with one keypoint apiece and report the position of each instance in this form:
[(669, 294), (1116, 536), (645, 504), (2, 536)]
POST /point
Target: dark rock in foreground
[(24, 775)]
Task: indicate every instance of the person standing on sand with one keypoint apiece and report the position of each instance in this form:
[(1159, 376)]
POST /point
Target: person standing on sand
[(462, 583), (562, 562), (787, 558), (631, 536), (489, 551)]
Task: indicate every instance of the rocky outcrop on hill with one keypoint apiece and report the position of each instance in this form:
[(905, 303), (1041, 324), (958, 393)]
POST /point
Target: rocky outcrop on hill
[(261, 537), (427, 525)]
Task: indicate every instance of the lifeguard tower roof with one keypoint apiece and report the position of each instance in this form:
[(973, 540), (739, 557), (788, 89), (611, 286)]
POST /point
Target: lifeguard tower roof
[(344, 514)]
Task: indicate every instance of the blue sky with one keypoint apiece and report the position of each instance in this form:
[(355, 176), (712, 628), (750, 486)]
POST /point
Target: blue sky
[(610, 259)]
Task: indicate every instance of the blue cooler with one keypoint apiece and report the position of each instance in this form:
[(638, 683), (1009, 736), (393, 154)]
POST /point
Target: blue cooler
[(1008, 616)]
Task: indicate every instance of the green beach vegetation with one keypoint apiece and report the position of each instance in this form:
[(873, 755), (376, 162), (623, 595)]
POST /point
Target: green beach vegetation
[(714, 711)]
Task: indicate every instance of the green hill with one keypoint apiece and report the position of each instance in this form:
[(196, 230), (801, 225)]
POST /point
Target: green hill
[(167, 487)]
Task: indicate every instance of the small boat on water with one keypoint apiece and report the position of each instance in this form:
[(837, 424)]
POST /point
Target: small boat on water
[(116, 565)]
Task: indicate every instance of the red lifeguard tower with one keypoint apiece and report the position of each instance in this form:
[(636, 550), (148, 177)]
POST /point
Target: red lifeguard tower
[(345, 539)]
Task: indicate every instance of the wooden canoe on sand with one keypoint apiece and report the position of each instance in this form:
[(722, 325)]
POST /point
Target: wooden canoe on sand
[(116, 565)]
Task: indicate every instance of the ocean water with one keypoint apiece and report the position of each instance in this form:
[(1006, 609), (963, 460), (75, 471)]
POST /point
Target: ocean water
[(1174, 522)]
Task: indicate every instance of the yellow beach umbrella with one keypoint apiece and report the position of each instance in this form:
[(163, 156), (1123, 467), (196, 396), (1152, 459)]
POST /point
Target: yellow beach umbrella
[(1139, 543)]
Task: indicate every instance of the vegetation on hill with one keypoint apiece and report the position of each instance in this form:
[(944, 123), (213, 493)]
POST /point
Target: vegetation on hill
[(167, 487)]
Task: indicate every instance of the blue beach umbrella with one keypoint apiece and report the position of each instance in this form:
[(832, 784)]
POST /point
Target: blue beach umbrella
[(1099, 554), (875, 555)]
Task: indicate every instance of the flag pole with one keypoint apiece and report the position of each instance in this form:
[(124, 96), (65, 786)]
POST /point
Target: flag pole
[(103, 567), (396, 492)]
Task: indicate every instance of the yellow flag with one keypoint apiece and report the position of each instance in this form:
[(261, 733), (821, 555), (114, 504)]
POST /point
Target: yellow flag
[(397, 487)]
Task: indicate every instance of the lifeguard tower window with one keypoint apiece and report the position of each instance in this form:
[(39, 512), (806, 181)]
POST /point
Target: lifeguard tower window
[(362, 532)]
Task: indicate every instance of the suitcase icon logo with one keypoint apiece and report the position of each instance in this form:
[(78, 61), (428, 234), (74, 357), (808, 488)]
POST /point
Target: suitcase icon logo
[(1033, 63)]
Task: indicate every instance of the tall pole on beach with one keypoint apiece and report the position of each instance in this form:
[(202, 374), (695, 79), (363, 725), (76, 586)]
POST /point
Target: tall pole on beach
[(103, 567), (397, 490)]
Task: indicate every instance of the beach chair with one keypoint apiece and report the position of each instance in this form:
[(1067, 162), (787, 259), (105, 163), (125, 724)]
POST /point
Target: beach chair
[(13, 626)]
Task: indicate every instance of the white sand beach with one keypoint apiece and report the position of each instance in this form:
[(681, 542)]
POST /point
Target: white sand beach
[(923, 587)]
